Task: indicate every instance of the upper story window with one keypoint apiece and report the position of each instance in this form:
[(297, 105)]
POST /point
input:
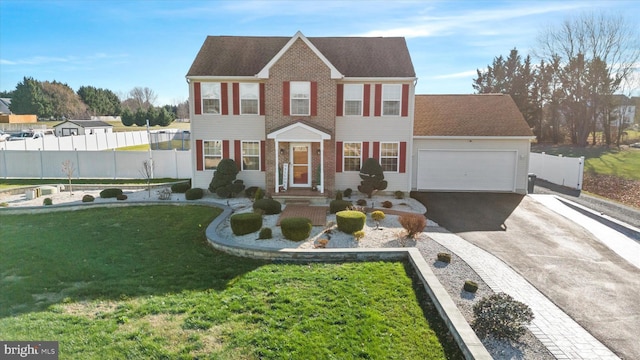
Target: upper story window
[(391, 96), (210, 98), (249, 94), (250, 155), (389, 156), (300, 97), (353, 99), (352, 155), (212, 151)]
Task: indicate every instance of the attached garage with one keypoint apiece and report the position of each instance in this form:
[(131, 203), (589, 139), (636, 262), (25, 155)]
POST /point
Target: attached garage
[(470, 143)]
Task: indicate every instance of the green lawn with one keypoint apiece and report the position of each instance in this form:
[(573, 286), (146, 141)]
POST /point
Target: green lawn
[(601, 160), (141, 283)]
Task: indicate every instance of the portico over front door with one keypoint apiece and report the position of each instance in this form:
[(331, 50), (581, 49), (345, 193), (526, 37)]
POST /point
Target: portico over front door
[(300, 175)]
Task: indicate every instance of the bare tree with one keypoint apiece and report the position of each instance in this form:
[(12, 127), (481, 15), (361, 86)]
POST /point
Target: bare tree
[(68, 168), (147, 173), (609, 43), (141, 98)]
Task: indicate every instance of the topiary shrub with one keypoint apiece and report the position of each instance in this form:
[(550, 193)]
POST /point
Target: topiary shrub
[(361, 202), (180, 188), (338, 195), (413, 223), (338, 205), (110, 193), (194, 194), (347, 192), (47, 201), (250, 192), (470, 286), (501, 316), (265, 233), (377, 216), (399, 194), (372, 177), (387, 204), (268, 206), (224, 183), (296, 228), (259, 194), (88, 198), (350, 221), (245, 223), (444, 257), (121, 197)]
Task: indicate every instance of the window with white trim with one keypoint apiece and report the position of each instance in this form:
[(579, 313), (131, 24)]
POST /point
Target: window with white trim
[(353, 99), (251, 155), (351, 156), (210, 93), (249, 93), (389, 156), (212, 153), (300, 97), (391, 96)]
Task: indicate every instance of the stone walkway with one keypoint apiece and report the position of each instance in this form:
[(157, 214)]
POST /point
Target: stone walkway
[(564, 338)]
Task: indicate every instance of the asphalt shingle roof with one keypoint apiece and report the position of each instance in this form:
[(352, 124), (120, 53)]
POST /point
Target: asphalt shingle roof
[(468, 115), (352, 56)]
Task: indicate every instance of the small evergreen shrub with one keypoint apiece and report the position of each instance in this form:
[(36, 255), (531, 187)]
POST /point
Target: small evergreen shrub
[(250, 192), (245, 223), (501, 316), (268, 206), (110, 193), (259, 194), (387, 204), (470, 286), (347, 192), (350, 221), (47, 201), (444, 257), (361, 202), (338, 205), (121, 197), (377, 216), (399, 194), (88, 198), (180, 188), (358, 235), (265, 233), (338, 195), (194, 194), (296, 228), (413, 223)]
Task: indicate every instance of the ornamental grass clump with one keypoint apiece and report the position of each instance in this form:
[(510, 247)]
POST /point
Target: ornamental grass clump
[(501, 316)]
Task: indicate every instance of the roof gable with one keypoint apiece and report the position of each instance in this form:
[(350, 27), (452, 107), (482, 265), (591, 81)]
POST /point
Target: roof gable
[(86, 123), (229, 56), (468, 115)]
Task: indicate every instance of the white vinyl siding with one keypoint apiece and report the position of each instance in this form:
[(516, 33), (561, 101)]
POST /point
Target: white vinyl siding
[(391, 97), (353, 99), (210, 98), (300, 98), (249, 94)]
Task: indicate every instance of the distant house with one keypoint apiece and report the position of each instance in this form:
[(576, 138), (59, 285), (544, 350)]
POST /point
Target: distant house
[(4, 106), (7, 117), (82, 127), (301, 112), (623, 111)]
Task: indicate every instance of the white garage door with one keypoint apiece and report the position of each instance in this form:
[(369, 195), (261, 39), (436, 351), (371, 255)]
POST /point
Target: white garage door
[(466, 170)]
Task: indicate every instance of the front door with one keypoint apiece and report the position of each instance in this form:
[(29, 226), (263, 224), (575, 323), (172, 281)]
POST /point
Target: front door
[(301, 165)]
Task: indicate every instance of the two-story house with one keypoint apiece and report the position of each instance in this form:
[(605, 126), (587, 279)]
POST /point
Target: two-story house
[(303, 113)]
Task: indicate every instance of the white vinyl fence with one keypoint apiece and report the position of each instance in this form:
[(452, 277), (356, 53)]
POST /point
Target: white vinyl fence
[(99, 141), (94, 164), (560, 170)]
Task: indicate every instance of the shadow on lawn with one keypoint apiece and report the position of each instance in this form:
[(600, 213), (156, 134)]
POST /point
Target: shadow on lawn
[(462, 212)]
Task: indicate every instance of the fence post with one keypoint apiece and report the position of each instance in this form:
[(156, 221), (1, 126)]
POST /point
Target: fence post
[(78, 163), (580, 172), (41, 165)]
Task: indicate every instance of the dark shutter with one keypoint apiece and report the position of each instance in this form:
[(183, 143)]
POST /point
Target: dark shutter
[(314, 98), (285, 98), (224, 99), (338, 156), (199, 157), (377, 100), (236, 98), (403, 157), (405, 100), (339, 100), (197, 94)]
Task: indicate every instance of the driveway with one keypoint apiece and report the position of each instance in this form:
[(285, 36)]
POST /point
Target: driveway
[(591, 283)]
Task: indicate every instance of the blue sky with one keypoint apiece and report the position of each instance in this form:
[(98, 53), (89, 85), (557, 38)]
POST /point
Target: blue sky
[(119, 45)]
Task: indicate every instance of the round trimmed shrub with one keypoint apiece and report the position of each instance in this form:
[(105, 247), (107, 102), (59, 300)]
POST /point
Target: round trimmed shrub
[(387, 204), (350, 221), (180, 188), (245, 223), (268, 206), (47, 201), (347, 192), (361, 202), (338, 205), (194, 194), (265, 233), (296, 228), (88, 198), (110, 193), (121, 197)]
